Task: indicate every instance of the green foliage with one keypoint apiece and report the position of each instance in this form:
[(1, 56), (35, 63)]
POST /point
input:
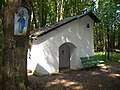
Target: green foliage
[(3, 3), (47, 12), (114, 57), (100, 56), (108, 30)]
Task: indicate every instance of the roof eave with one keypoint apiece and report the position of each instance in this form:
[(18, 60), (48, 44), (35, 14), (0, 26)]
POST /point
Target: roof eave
[(90, 14), (56, 27), (93, 17)]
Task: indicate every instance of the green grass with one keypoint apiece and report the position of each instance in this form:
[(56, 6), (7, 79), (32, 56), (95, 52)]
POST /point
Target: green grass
[(114, 57)]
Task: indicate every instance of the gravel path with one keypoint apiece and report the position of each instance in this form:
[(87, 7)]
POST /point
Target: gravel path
[(107, 78)]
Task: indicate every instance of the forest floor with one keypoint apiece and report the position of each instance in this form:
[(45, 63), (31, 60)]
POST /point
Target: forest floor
[(104, 78)]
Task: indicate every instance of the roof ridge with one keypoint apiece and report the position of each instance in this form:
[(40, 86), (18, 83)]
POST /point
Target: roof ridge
[(45, 30)]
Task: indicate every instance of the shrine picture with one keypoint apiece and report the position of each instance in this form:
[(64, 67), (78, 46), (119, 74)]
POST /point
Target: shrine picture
[(21, 18)]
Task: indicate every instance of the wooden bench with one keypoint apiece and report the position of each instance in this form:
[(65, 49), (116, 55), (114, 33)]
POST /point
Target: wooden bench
[(91, 62)]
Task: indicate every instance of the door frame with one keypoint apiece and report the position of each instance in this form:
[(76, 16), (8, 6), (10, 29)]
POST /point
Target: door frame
[(71, 47)]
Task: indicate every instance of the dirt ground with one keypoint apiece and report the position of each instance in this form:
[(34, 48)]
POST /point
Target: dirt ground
[(105, 78)]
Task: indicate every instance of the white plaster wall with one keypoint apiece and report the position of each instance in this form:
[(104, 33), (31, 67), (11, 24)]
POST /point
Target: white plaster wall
[(45, 50)]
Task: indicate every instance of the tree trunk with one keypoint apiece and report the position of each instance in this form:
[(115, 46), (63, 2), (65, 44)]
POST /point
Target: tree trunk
[(1, 38), (61, 9), (118, 46), (14, 61), (108, 44)]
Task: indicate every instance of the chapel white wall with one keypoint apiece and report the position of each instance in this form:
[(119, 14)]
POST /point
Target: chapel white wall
[(45, 50)]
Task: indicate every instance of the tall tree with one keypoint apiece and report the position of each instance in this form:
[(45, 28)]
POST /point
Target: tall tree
[(108, 29), (14, 61)]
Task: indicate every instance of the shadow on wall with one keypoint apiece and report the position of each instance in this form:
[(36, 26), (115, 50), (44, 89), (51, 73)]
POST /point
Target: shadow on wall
[(40, 70), (51, 54)]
